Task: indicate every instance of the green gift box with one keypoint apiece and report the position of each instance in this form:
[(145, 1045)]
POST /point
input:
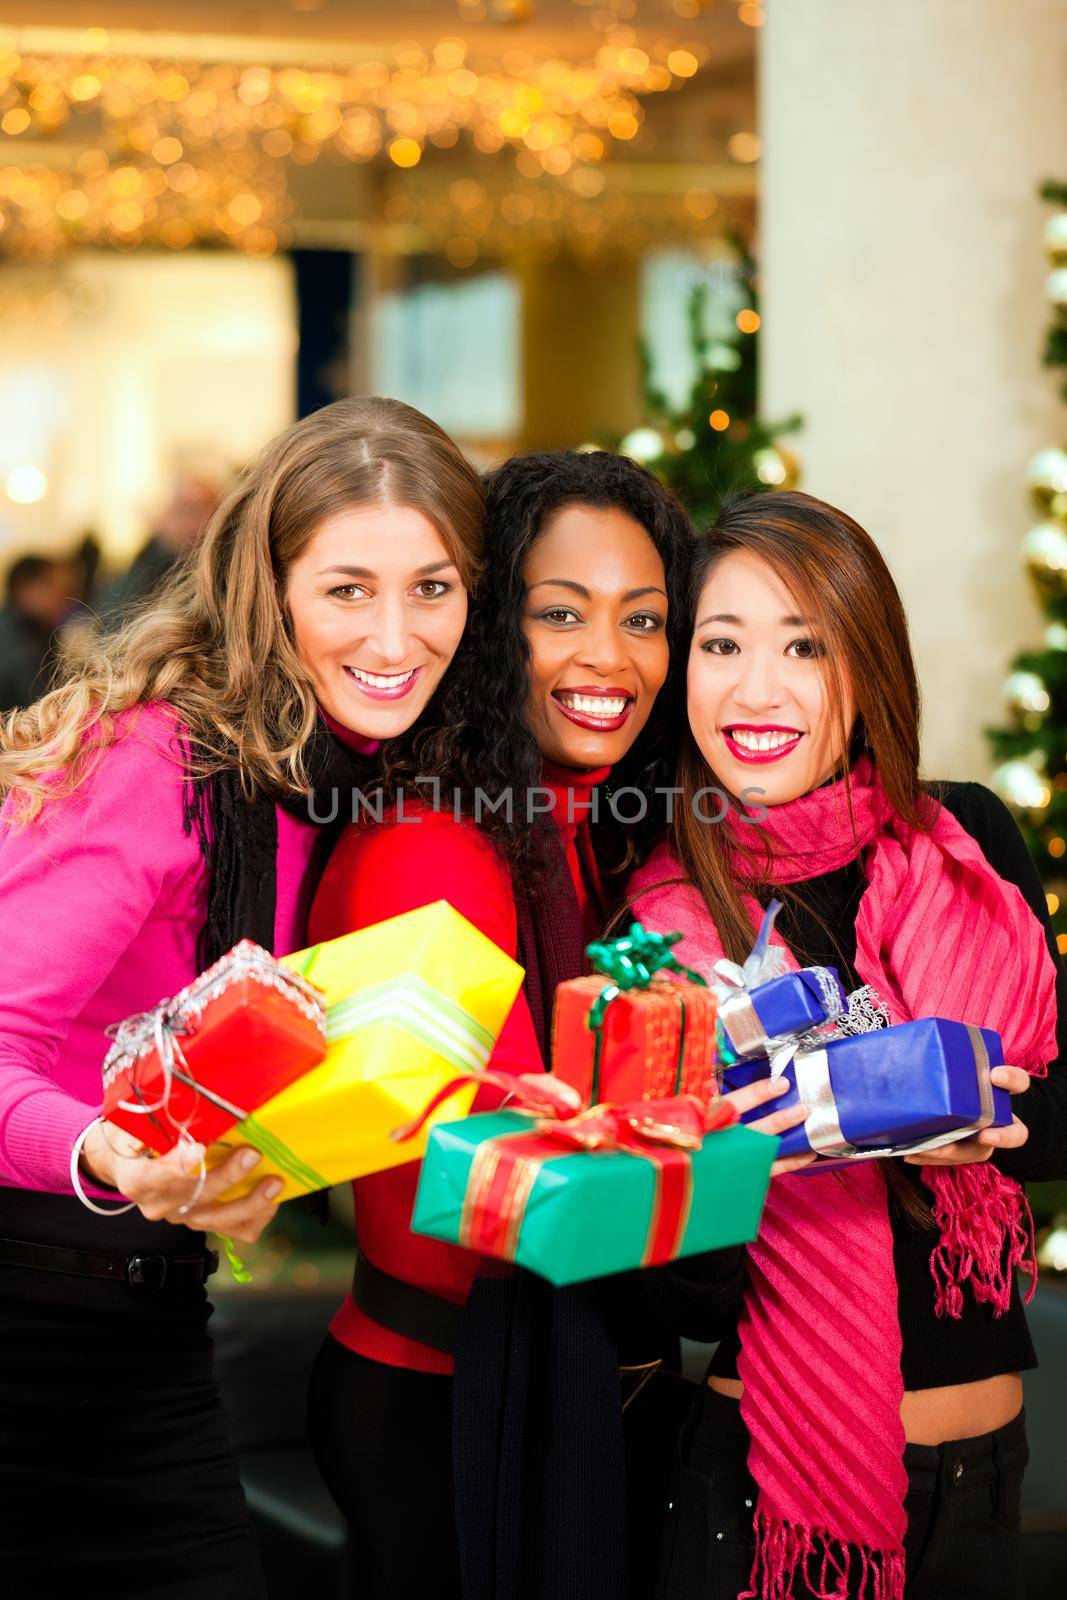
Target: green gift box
[(610, 1190)]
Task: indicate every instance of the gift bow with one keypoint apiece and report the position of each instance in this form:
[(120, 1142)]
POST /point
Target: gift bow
[(631, 962), (164, 1028), (763, 962), (733, 984), (505, 1168), (681, 1120)]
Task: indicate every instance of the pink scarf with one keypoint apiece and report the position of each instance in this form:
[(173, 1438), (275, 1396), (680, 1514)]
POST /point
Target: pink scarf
[(938, 933)]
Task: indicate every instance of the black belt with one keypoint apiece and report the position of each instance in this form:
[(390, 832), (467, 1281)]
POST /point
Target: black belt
[(148, 1271), (402, 1308)]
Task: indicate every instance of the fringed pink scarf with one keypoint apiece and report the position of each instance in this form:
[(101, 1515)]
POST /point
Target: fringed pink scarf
[(938, 933)]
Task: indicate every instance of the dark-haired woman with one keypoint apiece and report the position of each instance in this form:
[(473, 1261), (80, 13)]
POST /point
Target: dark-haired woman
[(159, 810), (874, 1333), (567, 651)]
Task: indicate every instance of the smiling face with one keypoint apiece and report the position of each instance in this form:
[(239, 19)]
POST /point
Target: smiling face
[(756, 690), (377, 610), (595, 620)]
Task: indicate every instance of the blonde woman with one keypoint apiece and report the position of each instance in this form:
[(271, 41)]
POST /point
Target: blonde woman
[(160, 806)]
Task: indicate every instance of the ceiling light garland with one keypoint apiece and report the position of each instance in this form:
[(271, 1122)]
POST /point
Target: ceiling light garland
[(591, 214), (121, 149), (561, 110)]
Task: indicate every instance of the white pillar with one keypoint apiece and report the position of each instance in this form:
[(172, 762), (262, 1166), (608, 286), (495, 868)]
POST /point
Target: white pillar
[(903, 307)]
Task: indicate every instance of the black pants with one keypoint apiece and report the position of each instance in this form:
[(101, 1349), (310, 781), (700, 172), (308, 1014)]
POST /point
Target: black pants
[(962, 1504), (117, 1478), (383, 1441), (116, 1472)]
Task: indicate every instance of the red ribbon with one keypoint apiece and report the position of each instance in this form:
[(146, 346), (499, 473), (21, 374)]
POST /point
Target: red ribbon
[(535, 1091), (505, 1169)]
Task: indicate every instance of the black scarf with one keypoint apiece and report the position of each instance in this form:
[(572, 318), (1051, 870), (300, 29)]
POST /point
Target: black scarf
[(537, 1422), (239, 837)]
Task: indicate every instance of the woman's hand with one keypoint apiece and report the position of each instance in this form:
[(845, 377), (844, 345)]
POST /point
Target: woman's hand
[(761, 1093), (981, 1146), (169, 1189)]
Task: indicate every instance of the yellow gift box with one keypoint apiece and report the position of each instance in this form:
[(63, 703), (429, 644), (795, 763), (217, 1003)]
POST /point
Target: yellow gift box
[(410, 1005)]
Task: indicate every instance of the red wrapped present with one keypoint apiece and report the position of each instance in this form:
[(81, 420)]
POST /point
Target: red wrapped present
[(641, 1028), (230, 1041)]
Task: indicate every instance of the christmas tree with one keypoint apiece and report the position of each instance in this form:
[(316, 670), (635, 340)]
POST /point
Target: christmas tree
[(715, 443), (1032, 748)]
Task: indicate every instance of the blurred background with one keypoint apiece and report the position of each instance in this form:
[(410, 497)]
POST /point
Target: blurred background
[(751, 242)]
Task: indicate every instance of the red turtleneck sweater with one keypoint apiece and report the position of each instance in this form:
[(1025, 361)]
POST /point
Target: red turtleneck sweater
[(382, 871)]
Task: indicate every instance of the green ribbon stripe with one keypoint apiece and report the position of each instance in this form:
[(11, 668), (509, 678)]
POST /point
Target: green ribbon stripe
[(269, 1145), (419, 1010)]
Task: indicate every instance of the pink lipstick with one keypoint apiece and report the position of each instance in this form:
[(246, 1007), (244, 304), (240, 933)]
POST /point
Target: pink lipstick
[(384, 685)]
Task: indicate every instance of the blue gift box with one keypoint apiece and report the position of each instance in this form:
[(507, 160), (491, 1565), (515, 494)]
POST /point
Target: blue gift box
[(789, 1004), (894, 1087)]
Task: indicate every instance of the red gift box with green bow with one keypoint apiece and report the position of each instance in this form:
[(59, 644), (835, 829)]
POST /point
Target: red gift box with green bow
[(642, 1027)]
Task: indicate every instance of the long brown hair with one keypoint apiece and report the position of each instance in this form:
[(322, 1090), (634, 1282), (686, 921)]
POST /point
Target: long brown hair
[(216, 643), (837, 576), (839, 580)]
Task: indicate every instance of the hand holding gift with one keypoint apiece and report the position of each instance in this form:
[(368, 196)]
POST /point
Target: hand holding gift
[(310, 1061), (965, 1151), (171, 1188), (242, 1029), (751, 1104)]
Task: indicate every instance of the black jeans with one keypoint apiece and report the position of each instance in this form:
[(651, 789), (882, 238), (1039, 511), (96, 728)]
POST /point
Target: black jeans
[(383, 1442), (962, 1504)]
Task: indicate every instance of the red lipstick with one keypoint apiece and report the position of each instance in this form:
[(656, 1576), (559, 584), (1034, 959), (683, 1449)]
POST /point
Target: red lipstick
[(751, 753), (579, 705)]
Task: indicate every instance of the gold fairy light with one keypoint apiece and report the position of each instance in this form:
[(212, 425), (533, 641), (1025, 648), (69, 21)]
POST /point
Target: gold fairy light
[(414, 94), (242, 201), (181, 151)]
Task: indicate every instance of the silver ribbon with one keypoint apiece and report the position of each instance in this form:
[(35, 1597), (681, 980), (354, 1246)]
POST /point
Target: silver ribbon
[(823, 1125)]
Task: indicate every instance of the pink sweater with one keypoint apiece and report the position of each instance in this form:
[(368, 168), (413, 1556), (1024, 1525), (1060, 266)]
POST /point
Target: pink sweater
[(103, 897)]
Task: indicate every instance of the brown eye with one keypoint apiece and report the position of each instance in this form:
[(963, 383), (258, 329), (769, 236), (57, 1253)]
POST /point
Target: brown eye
[(806, 649)]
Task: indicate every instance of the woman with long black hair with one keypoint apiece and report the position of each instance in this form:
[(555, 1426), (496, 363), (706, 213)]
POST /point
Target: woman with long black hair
[(160, 807), (861, 1434), (558, 697)]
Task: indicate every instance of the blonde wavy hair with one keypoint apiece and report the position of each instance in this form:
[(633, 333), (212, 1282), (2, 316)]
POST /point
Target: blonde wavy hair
[(216, 642)]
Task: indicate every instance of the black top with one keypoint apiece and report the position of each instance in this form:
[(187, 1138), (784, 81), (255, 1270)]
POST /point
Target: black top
[(701, 1296)]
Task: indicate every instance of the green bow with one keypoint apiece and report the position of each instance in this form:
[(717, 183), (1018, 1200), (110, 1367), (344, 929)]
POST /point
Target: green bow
[(631, 962)]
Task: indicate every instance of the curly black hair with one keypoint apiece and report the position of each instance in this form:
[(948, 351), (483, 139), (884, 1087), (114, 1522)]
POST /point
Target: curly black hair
[(474, 734)]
